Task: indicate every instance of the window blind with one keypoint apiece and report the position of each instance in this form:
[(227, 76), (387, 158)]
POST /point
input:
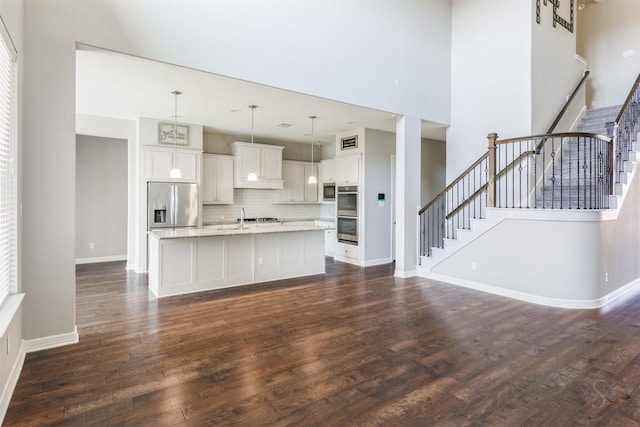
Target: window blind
[(8, 166)]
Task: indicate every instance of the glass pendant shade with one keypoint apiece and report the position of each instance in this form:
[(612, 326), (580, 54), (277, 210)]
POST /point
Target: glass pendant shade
[(175, 173), (252, 176)]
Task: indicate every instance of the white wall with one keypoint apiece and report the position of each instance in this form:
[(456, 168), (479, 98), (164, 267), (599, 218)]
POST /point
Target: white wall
[(101, 199), (359, 51), (555, 71), (490, 77), (606, 30)]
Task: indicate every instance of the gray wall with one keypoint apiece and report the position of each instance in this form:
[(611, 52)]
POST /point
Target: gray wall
[(433, 169), (378, 148), (101, 199)]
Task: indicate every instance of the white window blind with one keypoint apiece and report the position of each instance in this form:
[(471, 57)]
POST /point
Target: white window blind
[(8, 166)]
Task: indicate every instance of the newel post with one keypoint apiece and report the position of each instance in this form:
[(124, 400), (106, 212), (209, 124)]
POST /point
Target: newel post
[(491, 173)]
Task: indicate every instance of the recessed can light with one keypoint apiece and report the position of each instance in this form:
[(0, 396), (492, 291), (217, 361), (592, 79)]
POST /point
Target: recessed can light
[(284, 125)]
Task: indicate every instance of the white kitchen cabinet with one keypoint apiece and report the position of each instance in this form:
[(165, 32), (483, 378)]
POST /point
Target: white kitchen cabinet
[(328, 170), (330, 239), (264, 160), (348, 170), (296, 187), (217, 179), (311, 190), (347, 253), (158, 162)]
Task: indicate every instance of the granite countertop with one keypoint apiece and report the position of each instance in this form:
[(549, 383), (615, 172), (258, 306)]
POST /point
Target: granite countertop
[(279, 221), (231, 230)]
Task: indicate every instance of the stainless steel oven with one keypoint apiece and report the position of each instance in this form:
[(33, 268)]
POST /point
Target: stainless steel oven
[(347, 200), (347, 230)]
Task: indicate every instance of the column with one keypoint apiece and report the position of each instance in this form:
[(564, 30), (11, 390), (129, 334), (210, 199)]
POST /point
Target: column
[(408, 146)]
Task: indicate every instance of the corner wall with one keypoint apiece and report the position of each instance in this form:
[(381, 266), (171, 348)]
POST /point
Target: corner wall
[(609, 39)]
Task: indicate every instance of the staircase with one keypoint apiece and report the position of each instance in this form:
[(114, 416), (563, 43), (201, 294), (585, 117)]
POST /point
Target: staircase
[(568, 186)]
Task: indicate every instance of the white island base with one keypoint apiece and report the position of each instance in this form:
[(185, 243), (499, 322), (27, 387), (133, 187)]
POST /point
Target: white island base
[(195, 261)]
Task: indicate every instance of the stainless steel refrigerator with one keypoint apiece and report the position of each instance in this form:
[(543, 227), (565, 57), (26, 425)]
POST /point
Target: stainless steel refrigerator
[(172, 205)]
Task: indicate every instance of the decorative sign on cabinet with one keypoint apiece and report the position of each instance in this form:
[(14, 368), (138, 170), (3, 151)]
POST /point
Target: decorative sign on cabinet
[(265, 160), (217, 179)]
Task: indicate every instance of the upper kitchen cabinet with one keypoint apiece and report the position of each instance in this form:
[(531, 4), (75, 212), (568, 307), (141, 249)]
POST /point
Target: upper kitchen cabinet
[(328, 170), (264, 160), (348, 170), (158, 162), (217, 179), (296, 188)]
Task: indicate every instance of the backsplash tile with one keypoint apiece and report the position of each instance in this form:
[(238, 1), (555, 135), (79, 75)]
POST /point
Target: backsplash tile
[(258, 204)]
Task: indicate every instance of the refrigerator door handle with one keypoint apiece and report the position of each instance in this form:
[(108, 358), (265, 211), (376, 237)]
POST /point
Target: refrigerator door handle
[(173, 204)]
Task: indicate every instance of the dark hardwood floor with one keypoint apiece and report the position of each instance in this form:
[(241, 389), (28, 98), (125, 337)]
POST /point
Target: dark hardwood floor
[(354, 347)]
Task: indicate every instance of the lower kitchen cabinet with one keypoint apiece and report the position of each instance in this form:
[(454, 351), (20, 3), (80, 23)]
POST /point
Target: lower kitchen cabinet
[(193, 264)]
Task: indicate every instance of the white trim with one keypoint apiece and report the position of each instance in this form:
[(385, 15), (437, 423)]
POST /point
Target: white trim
[(581, 60), (52, 341), (373, 262), (405, 274), (539, 299), (8, 311), (101, 259), (12, 381)]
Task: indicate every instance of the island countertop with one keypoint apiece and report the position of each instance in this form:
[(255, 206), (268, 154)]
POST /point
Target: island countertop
[(232, 230)]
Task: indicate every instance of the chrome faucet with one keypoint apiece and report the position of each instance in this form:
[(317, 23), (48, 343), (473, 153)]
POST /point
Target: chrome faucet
[(242, 219)]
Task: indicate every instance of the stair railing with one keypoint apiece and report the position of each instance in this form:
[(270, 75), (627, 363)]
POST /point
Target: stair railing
[(465, 198), (624, 127)]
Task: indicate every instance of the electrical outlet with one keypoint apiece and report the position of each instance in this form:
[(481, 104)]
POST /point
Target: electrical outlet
[(474, 266), (260, 261), (606, 277), (92, 245)]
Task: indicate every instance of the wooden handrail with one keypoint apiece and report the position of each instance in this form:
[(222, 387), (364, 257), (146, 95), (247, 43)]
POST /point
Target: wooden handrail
[(626, 102), (456, 181), (566, 104), (554, 135)]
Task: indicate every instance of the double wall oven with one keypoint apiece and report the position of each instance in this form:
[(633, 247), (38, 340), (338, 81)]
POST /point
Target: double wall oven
[(347, 207)]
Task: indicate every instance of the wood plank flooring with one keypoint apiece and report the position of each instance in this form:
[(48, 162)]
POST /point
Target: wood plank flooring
[(355, 347)]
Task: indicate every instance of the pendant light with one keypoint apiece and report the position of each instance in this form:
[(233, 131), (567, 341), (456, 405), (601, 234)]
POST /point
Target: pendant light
[(252, 173), (312, 177), (175, 171)]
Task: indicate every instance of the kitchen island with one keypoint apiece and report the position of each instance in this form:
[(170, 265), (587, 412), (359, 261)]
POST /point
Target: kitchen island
[(193, 260)]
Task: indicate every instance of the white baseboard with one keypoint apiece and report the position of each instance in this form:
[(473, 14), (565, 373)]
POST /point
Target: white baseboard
[(381, 261), (52, 341), (405, 273), (12, 381), (539, 299), (101, 259)]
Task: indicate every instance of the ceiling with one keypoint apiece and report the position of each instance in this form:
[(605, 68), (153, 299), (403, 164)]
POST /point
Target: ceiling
[(110, 84)]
